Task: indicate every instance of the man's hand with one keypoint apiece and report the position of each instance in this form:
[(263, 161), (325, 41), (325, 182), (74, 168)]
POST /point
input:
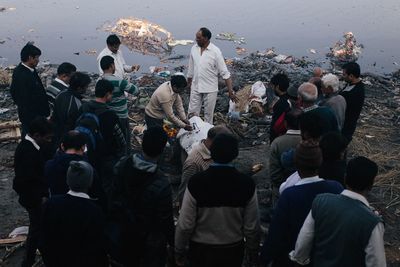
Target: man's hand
[(233, 97), (186, 121), (188, 127), (135, 68)]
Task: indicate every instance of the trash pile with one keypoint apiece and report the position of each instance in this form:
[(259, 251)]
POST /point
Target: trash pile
[(144, 37), (347, 51)]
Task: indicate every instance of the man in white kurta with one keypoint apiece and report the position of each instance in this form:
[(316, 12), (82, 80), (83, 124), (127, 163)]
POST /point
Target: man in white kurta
[(112, 49), (206, 63)]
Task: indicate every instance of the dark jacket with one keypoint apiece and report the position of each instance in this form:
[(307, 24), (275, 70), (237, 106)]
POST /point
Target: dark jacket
[(326, 119), (282, 105), (53, 90), (72, 233), (113, 145), (66, 112), (333, 170), (28, 94), (29, 181), (354, 103), (146, 194), (55, 172)]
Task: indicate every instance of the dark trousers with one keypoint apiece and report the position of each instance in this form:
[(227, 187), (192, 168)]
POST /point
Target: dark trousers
[(152, 122), (204, 255), (32, 240), (124, 123)]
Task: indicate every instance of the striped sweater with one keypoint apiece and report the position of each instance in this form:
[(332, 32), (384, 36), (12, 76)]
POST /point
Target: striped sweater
[(119, 102)]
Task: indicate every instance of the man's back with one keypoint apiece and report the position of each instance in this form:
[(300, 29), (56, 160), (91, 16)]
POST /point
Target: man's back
[(73, 233), (343, 227), (280, 145), (224, 198), (113, 142), (53, 90), (66, 112), (146, 196), (29, 180), (326, 119), (338, 105)]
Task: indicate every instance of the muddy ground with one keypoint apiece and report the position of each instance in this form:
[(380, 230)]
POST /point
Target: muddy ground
[(377, 137)]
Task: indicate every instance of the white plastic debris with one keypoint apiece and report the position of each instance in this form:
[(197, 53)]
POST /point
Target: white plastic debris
[(187, 139), (22, 230)]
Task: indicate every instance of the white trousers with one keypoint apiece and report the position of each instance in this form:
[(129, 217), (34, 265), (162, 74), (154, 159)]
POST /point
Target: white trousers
[(207, 99)]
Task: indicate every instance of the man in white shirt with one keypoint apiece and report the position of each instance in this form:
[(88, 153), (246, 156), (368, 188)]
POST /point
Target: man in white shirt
[(205, 64), (112, 49), (343, 230)]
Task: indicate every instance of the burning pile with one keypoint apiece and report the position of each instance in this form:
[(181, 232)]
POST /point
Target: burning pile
[(348, 51), (144, 37)]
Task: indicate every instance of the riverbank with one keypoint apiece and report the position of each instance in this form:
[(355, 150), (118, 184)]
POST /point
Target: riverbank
[(376, 137)]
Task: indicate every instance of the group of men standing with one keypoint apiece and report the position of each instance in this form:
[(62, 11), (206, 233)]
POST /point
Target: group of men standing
[(88, 196)]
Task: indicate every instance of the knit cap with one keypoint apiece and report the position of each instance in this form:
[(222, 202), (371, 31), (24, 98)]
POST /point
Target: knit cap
[(79, 176), (308, 156)]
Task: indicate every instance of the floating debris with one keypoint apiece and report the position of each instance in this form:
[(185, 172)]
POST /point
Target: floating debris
[(241, 50), (144, 37), (4, 9), (347, 51), (228, 36), (312, 51), (90, 52)]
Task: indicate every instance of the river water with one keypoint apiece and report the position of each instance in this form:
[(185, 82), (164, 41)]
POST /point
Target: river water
[(62, 28)]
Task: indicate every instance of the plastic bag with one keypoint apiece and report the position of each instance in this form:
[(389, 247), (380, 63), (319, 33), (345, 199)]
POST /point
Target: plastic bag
[(187, 139)]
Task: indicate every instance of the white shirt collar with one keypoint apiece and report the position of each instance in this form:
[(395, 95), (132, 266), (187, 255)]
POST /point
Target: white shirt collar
[(78, 194), (310, 108), (309, 180), (61, 81), (356, 196), (30, 139), (29, 68), (290, 131)]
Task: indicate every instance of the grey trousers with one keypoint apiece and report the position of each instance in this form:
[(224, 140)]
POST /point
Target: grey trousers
[(207, 99)]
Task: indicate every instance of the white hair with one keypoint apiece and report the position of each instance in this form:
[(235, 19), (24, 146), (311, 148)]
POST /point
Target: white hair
[(331, 80), (308, 92)]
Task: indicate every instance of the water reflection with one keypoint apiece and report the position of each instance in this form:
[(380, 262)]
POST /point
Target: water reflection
[(293, 27)]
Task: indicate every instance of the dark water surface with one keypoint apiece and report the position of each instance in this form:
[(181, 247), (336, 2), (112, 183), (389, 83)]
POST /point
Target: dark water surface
[(61, 28)]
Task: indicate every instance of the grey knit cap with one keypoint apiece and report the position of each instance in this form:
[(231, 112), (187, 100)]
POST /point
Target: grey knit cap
[(79, 176)]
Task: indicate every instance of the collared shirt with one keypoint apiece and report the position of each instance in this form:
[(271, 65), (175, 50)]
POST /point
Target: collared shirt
[(61, 81), (29, 68), (162, 102), (295, 179), (205, 67), (310, 108), (30, 139), (120, 66), (295, 132), (374, 251), (78, 194), (309, 180)]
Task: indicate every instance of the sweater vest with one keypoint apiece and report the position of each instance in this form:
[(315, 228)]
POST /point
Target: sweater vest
[(343, 227)]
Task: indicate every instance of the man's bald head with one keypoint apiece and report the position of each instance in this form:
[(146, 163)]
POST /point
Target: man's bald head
[(318, 72), (308, 92)]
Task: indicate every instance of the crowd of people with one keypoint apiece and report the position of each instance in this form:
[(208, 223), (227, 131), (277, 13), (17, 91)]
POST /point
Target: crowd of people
[(92, 201)]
